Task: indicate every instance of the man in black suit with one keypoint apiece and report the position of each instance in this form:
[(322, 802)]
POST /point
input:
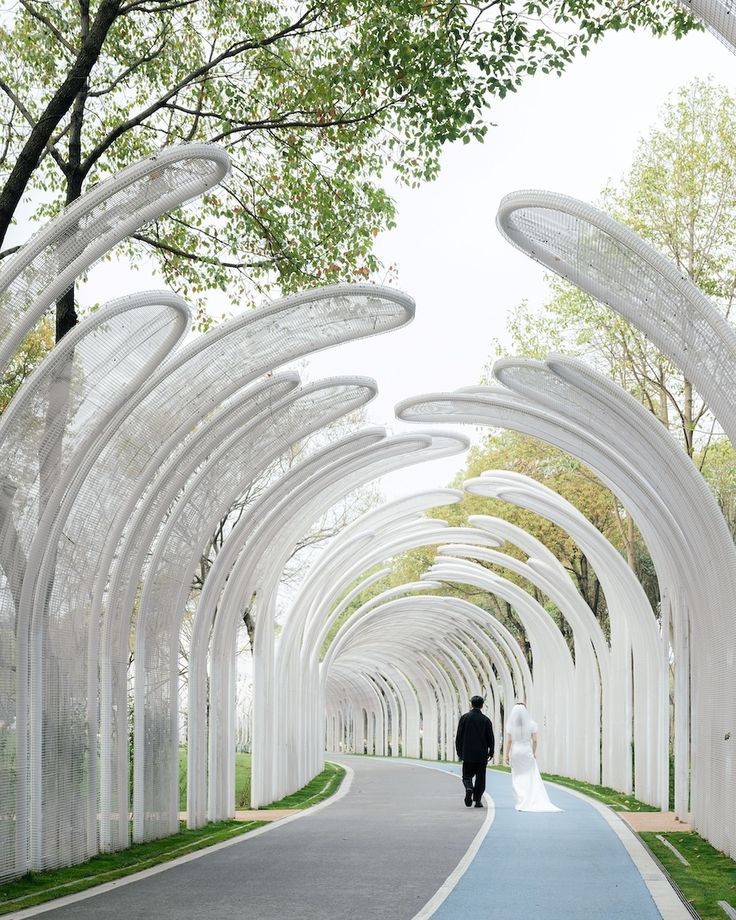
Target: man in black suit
[(474, 744)]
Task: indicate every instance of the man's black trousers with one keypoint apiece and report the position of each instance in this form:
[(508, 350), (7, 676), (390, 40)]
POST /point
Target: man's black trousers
[(474, 778)]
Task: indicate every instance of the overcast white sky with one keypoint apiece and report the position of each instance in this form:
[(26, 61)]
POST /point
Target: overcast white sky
[(571, 134)]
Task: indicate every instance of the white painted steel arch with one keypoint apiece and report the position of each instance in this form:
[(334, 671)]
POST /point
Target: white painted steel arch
[(47, 265), (497, 407), (107, 483), (628, 604), (101, 473), (43, 433), (280, 530), (553, 671), (591, 653), (176, 553), (667, 525), (614, 265), (124, 560), (718, 15), (453, 610), (430, 633)]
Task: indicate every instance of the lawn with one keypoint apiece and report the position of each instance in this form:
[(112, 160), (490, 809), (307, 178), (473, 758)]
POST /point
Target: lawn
[(242, 780), (710, 877)]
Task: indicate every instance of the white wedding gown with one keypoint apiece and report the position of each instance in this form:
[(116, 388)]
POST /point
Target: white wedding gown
[(529, 791)]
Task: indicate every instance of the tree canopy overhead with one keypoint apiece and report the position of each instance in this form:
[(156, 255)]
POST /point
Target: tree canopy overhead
[(313, 102)]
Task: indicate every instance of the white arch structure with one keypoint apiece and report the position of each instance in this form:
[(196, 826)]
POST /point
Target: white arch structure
[(718, 16), (125, 448), (122, 451), (567, 404), (632, 624), (612, 264), (443, 641)]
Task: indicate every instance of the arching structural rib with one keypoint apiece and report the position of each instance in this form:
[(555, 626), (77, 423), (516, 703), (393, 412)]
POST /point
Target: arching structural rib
[(612, 264), (249, 565), (631, 613), (592, 698), (128, 459), (454, 640), (572, 752), (44, 432), (718, 15), (669, 501)]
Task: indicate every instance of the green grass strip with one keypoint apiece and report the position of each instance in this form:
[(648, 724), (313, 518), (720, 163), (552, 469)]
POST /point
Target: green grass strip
[(38, 887), (710, 877), (618, 801), (321, 787)]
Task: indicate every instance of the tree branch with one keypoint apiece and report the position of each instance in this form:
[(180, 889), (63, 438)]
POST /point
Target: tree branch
[(184, 254), (56, 109), (15, 99), (231, 52), (44, 20), (151, 55)]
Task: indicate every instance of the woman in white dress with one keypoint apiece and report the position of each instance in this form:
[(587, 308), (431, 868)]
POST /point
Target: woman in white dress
[(521, 746)]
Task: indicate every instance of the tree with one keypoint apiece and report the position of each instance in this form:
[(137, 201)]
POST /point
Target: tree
[(38, 343), (313, 101)]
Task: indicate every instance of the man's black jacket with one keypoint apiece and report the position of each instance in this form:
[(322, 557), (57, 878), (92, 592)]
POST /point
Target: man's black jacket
[(474, 741)]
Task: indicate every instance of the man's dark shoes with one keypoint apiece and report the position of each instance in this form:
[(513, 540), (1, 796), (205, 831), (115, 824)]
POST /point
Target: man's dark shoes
[(468, 798), (479, 805)]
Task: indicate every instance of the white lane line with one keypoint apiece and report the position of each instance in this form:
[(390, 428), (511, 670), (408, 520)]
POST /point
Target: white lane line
[(181, 860), (450, 883), (663, 894)]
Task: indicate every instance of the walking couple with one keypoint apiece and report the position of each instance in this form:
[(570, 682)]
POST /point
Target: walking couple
[(475, 745)]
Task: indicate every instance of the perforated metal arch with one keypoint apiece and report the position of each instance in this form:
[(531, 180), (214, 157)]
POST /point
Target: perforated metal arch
[(614, 265), (648, 471), (44, 431), (718, 15), (46, 266)]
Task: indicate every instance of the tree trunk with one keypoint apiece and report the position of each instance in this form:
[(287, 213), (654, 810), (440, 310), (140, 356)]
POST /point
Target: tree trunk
[(687, 411), (30, 156)]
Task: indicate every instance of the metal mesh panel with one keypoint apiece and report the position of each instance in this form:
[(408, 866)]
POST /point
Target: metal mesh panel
[(61, 250), (718, 15), (125, 573), (176, 555), (615, 266), (274, 525), (41, 433), (256, 530), (196, 742), (686, 537), (173, 402)]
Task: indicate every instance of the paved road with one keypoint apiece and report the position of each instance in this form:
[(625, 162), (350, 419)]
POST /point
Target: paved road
[(379, 852), (384, 849)]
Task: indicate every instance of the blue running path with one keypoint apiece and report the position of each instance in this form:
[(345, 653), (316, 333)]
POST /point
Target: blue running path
[(566, 865)]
